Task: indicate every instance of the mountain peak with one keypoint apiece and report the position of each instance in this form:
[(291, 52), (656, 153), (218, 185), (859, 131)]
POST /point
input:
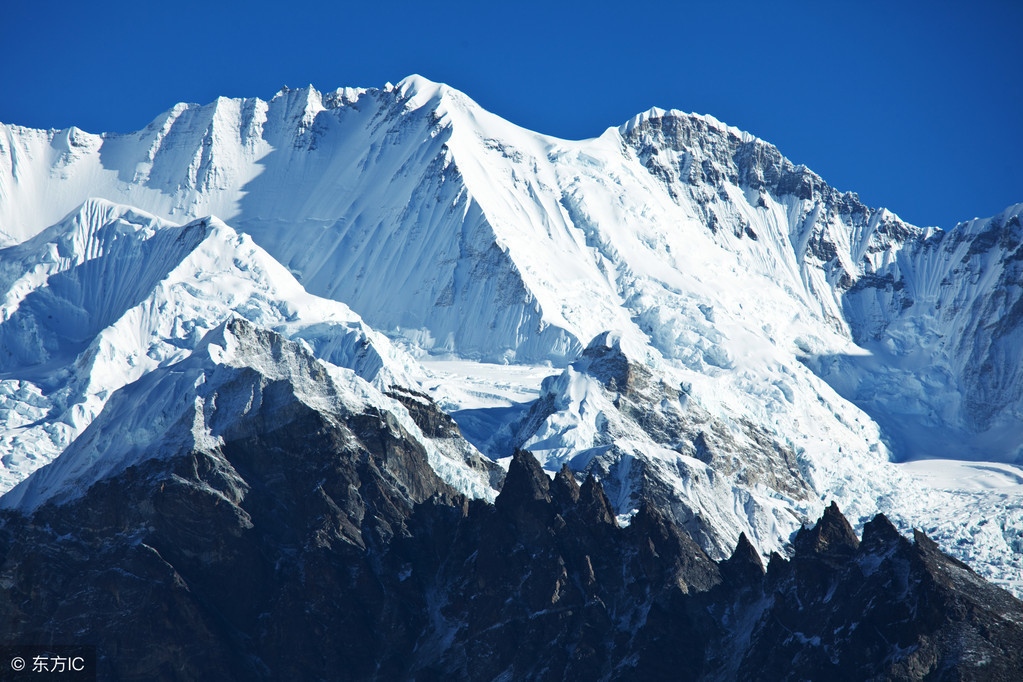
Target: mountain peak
[(417, 92), (414, 84), (655, 113), (236, 370), (832, 536)]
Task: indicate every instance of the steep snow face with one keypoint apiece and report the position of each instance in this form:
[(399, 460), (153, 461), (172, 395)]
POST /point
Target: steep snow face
[(190, 161), (447, 225), (742, 188), (725, 307), (942, 321), (635, 425), (355, 191), (444, 224), (935, 314), (111, 293), (633, 420), (238, 379)]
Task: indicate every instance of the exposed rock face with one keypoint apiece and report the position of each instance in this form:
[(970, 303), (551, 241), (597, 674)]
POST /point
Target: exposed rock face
[(647, 439), (325, 549), (305, 541), (956, 300), (442, 430), (884, 608), (457, 232), (696, 157), (546, 586), (236, 564), (939, 311)]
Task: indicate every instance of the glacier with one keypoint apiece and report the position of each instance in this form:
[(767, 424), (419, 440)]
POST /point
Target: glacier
[(774, 313)]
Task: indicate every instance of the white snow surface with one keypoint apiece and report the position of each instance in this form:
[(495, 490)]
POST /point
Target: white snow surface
[(978, 508), (943, 371), (714, 261), (457, 384)]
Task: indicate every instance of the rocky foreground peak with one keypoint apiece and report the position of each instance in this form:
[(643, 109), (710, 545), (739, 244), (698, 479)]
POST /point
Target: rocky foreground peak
[(326, 542)]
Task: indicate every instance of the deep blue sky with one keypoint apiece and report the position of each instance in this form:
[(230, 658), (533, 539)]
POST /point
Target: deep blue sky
[(917, 105)]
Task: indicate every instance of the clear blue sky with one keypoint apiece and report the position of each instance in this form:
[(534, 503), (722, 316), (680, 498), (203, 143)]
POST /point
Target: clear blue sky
[(917, 105)]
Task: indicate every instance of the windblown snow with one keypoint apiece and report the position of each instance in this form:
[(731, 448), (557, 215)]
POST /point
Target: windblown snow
[(776, 316)]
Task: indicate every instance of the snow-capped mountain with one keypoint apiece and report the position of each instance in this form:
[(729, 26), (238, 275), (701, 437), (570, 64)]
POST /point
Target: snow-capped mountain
[(782, 341)]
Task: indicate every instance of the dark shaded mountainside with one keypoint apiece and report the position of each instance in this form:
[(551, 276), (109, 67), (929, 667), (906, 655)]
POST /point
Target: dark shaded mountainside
[(323, 546)]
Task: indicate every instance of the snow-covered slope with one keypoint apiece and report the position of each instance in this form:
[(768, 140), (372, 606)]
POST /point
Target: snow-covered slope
[(111, 293), (942, 322), (356, 191), (770, 306), (635, 426)]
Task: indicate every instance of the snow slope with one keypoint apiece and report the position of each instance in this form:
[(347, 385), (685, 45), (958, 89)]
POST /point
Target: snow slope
[(941, 321), (355, 191), (111, 293)]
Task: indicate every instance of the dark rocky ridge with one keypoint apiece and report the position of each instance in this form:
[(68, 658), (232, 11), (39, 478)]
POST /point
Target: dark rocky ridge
[(319, 549), (438, 426), (883, 608), (201, 566)]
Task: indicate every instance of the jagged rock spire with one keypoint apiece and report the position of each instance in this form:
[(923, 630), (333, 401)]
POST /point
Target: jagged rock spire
[(879, 534), (745, 566), (525, 497), (831, 537), (564, 488), (594, 503)]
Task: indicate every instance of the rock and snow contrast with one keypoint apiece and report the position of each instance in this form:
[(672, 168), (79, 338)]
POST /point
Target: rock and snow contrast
[(673, 307), (238, 378)]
